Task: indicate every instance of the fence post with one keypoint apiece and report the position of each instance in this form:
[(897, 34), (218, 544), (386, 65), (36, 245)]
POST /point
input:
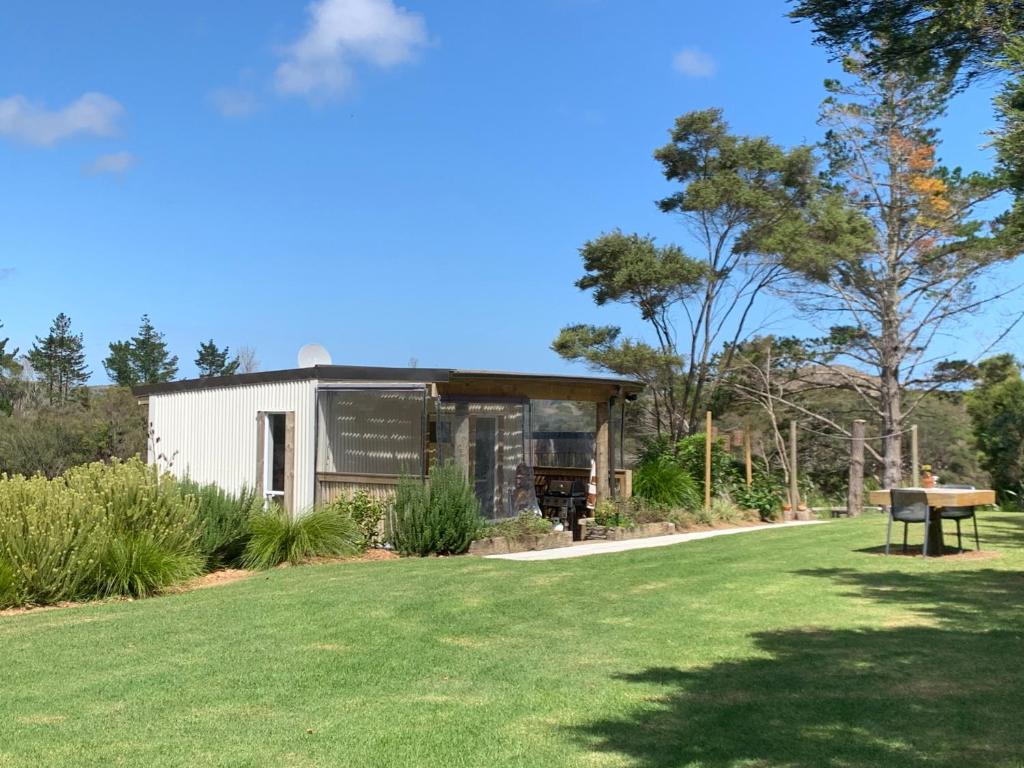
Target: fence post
[(855, 491), (794, 491), (707, 463), (746, 455), (915, 467)]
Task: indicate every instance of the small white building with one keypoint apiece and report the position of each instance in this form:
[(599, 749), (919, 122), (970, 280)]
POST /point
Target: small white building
[(306, 435)]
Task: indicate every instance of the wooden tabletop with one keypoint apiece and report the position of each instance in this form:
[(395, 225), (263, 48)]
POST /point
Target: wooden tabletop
[(942, 497)]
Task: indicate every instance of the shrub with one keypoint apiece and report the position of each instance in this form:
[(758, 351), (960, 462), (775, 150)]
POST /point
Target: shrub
[(441, 518), (613, 515), (7, 591), (690, 455), (276, 537), (661, 480), (367, 513), (520, 527), (75, 536), (223, 521), (135, 565), (761, 496)]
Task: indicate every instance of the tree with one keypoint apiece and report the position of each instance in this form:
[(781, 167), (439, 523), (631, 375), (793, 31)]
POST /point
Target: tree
[(59, 360), (944, 37), (892, 246), (213, 361), (735, 194), (247, 362), (10, 370), (996, 408), (143, 359)]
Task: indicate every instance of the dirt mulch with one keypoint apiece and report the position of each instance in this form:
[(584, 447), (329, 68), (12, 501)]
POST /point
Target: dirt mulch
[(212, 579)]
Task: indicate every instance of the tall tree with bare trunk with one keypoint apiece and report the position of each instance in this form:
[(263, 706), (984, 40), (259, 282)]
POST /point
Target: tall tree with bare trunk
[(896, 250)]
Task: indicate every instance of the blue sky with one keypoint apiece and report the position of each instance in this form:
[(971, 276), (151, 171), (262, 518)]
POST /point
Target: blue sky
[(393, 180)]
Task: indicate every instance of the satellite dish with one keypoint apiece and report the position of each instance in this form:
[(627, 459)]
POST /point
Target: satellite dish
[(313, 354)]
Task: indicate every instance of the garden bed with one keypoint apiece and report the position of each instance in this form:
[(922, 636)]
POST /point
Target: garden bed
[(591, 531), (503, 545)]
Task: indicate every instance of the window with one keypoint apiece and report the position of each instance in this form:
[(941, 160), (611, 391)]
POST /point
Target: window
[(274, 454), (371, 431)]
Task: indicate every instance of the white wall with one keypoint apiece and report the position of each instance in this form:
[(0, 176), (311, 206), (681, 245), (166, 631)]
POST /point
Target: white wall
[(214, 432)]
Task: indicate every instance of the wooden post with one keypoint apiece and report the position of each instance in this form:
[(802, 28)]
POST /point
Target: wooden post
[(707, 463), (915, 467), (794, 491), (855, 491), (601, 442), (289, 462), (460, 438), (746, 455)]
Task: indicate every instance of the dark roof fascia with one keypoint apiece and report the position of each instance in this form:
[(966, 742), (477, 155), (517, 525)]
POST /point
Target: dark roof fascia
[(317, 372), (337, 373)]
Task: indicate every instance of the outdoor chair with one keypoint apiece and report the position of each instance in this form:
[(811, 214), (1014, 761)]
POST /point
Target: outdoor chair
[(908, 507), (961, 513)]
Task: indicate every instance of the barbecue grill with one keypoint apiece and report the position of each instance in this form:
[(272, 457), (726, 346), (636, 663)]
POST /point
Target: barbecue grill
[(566, 500)]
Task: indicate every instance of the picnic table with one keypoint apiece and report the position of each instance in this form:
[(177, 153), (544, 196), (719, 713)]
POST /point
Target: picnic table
[(937, 499)]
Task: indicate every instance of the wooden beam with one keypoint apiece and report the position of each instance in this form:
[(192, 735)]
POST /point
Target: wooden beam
[(794, 488), (261, 450), (460, 437), (289, 462), (855, 490), (601, 443), (915, 466), (746, 456), (707, 461)]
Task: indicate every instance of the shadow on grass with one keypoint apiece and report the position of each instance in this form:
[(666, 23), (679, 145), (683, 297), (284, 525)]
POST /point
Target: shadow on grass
[(942, 687)]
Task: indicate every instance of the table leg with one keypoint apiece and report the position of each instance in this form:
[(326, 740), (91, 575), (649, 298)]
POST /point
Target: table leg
[(936, 548)]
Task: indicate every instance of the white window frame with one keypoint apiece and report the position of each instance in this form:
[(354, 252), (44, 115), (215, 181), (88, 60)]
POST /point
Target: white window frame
[(268, 456)]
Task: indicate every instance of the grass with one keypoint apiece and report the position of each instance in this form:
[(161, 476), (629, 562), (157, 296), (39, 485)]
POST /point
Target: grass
[(794, 648)]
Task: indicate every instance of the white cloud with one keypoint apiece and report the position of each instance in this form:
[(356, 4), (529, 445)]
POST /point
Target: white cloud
[(342, 32), (115, 163), (234, 102), (693, 62), (91, 114)]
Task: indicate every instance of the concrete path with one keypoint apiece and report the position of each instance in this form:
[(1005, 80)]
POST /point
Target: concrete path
[(601, 547)]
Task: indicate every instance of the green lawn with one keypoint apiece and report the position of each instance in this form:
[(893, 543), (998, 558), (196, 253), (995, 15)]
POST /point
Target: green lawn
[(789, 648)]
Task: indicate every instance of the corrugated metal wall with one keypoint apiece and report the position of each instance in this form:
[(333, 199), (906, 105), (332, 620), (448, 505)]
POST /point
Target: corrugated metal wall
[(211, 434)]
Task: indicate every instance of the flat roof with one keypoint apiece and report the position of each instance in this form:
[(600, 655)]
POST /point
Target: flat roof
[(357, 373)]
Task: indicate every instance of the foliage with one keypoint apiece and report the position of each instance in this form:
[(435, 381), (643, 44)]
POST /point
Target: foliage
[(660, 479), (942, 37), (367, 513), (58, 360), (276, 537), (895, 246), (143, 359), (996, 408), (524, 525), (101, 529), (441, 518), (613, 515), (690, 453), (736, 193), (52, 439), (10, 370), (212, 361), (136, 565), (764, 497), (222, 521)]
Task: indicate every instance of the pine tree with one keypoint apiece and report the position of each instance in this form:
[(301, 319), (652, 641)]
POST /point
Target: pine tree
[(213, 361), (59, 360), (10, 369), (143, 359)]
